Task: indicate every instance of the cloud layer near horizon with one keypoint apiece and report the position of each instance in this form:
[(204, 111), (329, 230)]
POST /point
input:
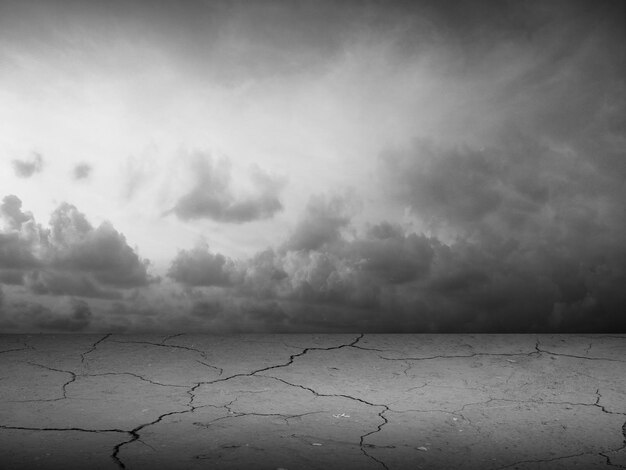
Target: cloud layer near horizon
[(391, 279), (70, 257)]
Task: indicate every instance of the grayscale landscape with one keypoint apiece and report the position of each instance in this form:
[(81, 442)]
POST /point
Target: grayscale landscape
[(294, 234)]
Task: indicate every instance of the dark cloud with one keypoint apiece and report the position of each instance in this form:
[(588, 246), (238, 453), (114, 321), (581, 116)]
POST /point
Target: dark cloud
[(200, 267), (537, 225), (101, 251), (11, 276), (11, 211), (207, 309), (235, 315), (20, 237), (27, 168), (71, 257), (213, 196), (77, 320), (392, 256), (81, 171), (500, 277), (15, 253), (267, 38), (66, 282), (261, 39), (35, 317), (522, 191), (323, 220)]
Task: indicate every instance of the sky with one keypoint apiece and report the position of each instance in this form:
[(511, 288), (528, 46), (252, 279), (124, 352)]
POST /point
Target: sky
[(313, 166)]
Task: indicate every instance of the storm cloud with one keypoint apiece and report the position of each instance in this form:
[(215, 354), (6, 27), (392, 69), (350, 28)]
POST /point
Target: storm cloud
[(70, 256), (200, 267), (389, 278), (74, 316)]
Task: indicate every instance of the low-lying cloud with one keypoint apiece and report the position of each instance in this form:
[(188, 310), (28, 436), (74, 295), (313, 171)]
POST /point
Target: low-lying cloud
[(69, 257), (389, 278)]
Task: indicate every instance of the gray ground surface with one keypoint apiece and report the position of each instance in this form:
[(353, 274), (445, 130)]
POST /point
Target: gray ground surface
[(313, 402)]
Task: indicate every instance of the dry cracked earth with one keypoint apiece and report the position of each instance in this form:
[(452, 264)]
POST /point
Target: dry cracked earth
[(313, 402)]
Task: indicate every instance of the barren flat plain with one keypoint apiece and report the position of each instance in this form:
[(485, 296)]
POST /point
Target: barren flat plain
[(296, 402)]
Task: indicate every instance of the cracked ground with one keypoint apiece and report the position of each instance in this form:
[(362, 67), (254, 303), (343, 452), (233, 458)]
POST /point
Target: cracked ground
[(313, 401)]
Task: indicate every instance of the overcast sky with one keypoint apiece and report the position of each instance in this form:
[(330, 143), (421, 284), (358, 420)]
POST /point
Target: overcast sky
[(312, 166)]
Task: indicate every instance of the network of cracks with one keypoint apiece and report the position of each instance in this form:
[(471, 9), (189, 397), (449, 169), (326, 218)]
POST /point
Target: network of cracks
[(313, 401)]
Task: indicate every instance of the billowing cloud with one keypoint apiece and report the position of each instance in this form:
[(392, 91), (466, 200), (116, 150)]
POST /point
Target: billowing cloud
[(81, 171), (200, 267), (538, 231), (71, 257), (390, 255), (63, 282), (101, 251), (20, 238), (213, 196), (321, 224), (28, 167), (389, 278)]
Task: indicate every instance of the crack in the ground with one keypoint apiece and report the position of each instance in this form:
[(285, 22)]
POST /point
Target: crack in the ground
[(203, 354), (219, 369), (286, 364), (363, 348), (623, 446), (575, 356), (542, 460), (93, 348), (16, 349), (595, 404), (73, 378), (168, 337), (537, 350), (161, 345), (191, 392), (134, 433), (136, 376), (604, 410), (454, 356), (352, 345), (26, 428), (378, 429), (240, 414), (381, 414), (237, 414), (538, 402)]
